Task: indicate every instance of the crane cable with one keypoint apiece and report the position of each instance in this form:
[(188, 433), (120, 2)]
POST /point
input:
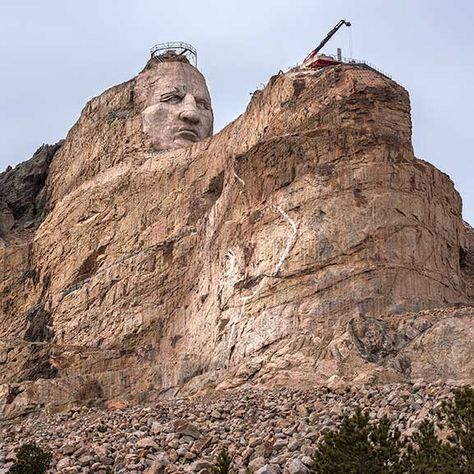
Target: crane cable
[(350, 41)]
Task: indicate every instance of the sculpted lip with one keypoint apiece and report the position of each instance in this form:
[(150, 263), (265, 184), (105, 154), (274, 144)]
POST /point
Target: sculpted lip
[(188, 134)]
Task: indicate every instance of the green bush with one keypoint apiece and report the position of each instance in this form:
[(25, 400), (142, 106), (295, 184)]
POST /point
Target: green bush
[(426, 453), (357, 447), (459, 416), (31, 459), (223, 463)]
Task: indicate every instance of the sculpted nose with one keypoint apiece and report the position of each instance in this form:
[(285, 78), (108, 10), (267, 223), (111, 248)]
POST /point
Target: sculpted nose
[(190, 112)]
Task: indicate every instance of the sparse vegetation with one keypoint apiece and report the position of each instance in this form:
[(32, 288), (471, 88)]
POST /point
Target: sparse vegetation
[(357, 447), (459, 416), (223, 463), (31, 459), (364, 441)]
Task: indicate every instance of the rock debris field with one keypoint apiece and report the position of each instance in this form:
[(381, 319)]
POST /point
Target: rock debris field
[(267, 430)]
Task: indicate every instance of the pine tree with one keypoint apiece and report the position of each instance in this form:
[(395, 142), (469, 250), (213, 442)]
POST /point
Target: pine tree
[(358, 448), (223, 463), (31, 459), (459, 415), (426, 453)]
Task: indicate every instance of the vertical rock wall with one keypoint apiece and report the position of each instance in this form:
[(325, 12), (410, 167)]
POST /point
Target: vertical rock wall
[(265, 253)]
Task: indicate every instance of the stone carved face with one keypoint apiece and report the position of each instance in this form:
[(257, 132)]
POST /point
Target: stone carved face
[(179, 111)]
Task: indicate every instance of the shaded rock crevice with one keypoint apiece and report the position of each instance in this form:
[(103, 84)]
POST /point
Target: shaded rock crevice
[(23, 194), (39, 324)]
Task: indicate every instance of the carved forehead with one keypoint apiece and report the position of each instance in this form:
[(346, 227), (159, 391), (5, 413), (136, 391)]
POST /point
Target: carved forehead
[(165, 77)]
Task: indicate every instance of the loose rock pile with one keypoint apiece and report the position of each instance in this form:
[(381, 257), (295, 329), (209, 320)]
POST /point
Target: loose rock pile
[(271, 431)]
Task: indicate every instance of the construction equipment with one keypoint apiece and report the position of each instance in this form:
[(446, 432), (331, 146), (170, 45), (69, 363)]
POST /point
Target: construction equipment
[(315, 60)]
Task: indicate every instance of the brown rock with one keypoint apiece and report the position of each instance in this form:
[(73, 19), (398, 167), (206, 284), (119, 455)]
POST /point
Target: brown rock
[(184, 428), (116, 404), (147, 443), (303, 244)]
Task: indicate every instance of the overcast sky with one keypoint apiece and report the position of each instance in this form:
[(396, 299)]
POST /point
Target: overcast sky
[(57, 54)]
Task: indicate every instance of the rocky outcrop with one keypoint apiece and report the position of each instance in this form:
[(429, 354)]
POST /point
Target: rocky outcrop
[(303, 243), (23, 206), (23, 196), (467, 261)]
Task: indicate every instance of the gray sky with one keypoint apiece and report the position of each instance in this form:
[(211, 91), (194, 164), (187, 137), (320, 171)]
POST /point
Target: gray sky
[(57, 54)]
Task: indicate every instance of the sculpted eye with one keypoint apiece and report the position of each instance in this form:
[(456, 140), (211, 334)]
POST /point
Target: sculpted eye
[(203, 104), (171, 98)]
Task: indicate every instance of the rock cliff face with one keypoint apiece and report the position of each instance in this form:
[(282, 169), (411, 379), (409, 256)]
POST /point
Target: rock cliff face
[(302, 244), (23, 194), (467, 261)]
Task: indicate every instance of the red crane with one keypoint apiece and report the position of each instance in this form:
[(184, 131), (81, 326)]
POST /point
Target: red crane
[(313, 60)]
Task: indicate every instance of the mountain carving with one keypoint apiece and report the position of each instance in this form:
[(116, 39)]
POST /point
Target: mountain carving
[(303, 244)]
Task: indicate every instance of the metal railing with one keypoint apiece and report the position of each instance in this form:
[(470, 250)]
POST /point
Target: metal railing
[(366, 63), (356, 61), (178, 47)]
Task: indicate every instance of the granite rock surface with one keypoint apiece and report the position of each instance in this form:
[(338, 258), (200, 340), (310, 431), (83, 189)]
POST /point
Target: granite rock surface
[(303, 244)]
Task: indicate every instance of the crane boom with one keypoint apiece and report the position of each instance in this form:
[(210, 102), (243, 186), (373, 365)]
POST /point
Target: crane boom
[(326, 39)]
